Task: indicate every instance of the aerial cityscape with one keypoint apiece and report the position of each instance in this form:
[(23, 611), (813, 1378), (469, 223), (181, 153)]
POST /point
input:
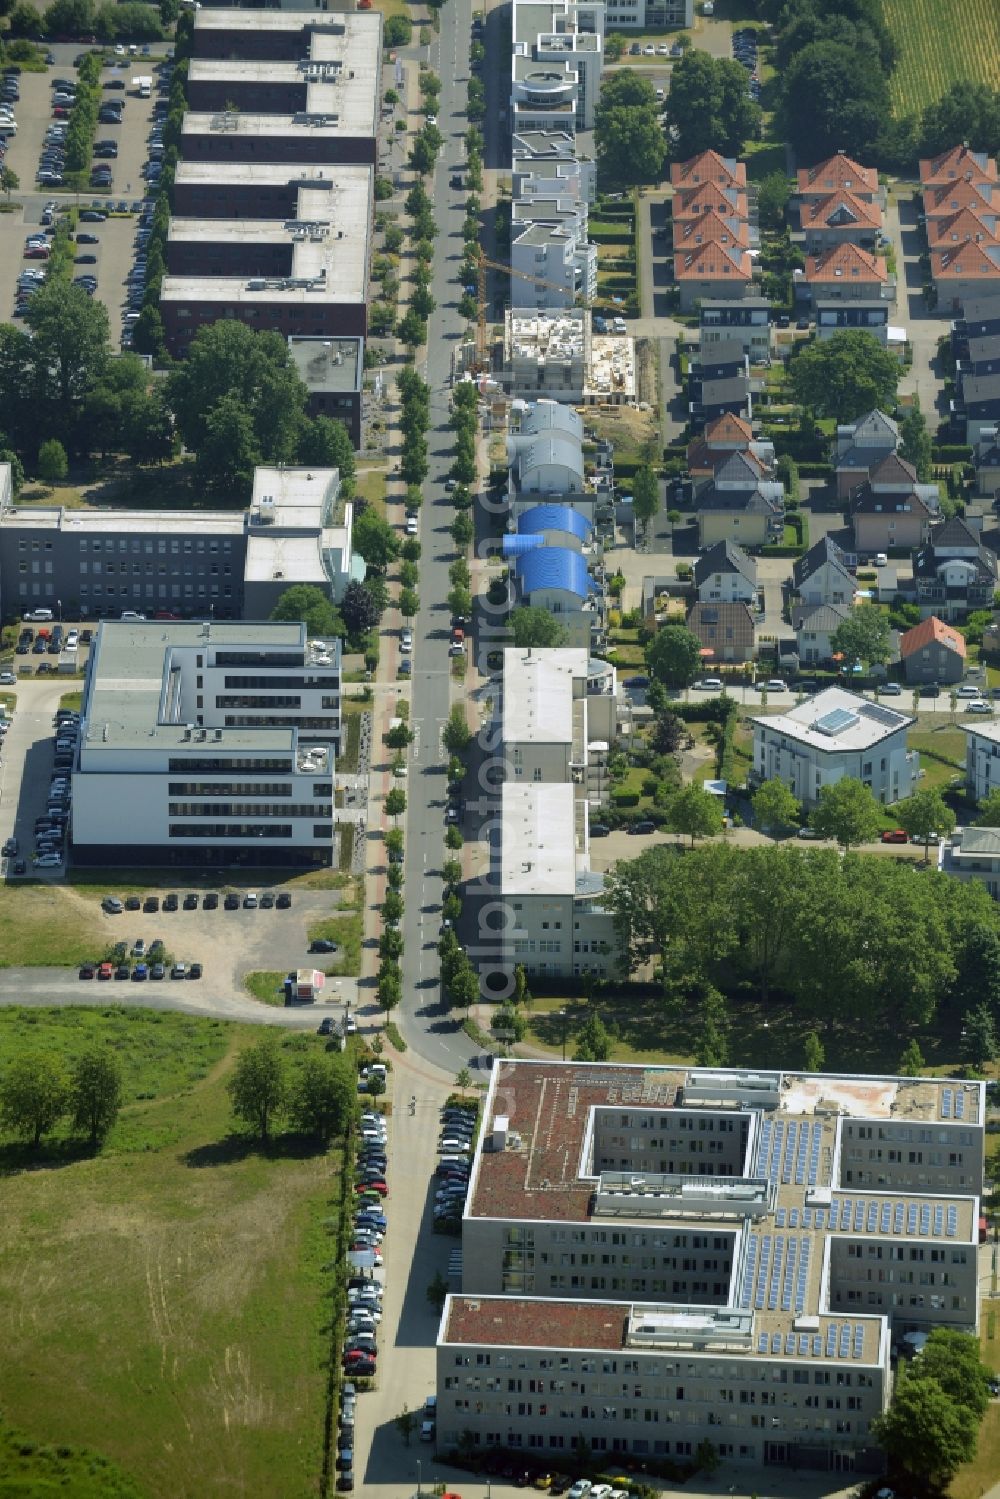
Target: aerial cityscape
[(500, 749)]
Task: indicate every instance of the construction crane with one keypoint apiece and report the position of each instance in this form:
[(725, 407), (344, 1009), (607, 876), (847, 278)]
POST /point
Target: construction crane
[(484, 264)]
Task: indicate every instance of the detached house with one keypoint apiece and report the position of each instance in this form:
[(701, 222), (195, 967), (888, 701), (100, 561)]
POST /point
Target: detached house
[(823, 576), (859, 446), (738, 506), (840, 219), (814, 625), (955, 165), (727, 630), (838, 174), (712, 270), (891, 509), (932, 652), (832, 735), (986, 457), (969, 270), (954, 573), (846, 274), (725, 574)]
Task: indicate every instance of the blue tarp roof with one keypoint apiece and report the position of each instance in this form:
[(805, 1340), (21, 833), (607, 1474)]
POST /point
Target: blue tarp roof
[(553, 518), (516, 546), (555, 567)]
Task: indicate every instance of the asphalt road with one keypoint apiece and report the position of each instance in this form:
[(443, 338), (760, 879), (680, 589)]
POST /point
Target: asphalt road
[(433, 1033)]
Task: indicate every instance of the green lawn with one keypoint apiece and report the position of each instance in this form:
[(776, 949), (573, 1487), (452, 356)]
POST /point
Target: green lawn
[(975, 1478), (939, 42), (165, 1302), (33, 1467), (267, 986), (942, 754), (42, 924)]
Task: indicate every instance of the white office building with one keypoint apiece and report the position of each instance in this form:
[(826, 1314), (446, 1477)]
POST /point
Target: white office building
[(833, 735), (982, 758), (654, 1257), (207, 743), (558, 53)]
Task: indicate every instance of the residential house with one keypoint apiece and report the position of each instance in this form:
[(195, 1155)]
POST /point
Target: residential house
[(737, 505), (932, 652), (727, 630), (545, 449), (708, 167), (890, 509), (746, 321), (712, 227), (719, 383), (982, 758), (978, 404), (724, 434), (551, 253), (557, 579), (549, 525), (969, 270), (957, 164), (967, 225), (840, 219), (833, 735), (712, 270), (707, 197), (838, 174), (859, 446), (835, 317), (948, 198), (986, 457), (824, 576), (954, 573), (814, 624), (973, 854), (725, 574), (844, 274)]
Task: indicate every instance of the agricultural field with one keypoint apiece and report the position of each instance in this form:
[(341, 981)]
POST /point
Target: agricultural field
[(162, 1304), (939, 42)]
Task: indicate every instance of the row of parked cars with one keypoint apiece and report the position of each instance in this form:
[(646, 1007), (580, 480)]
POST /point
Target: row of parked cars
[(364, 1293), (114, 905), (745, 52), (455, 1145), (139, 964), (52, 826)]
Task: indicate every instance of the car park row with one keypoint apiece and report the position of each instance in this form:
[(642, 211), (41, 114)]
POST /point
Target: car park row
[(114, 905)]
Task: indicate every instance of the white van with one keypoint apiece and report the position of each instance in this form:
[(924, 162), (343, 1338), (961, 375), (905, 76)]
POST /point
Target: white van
[(128, 614)]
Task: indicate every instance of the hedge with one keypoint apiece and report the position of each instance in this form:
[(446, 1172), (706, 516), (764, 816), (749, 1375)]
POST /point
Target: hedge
[(951, 453), (781, 551), (706, 710), (816, 471), (625, 798)]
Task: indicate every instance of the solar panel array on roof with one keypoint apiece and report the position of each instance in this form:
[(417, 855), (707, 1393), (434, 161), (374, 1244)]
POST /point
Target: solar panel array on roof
[(945, 1103), (878, 714), (959, 1103), (882, 1216), (836, 721)]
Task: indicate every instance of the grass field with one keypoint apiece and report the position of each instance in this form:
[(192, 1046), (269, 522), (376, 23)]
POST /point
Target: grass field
[(43, 924), (163, 1304), (942, 755), (939, 42)]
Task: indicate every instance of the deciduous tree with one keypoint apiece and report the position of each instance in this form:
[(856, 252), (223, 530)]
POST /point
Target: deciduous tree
[(708, 107), (310, 605), (533, 627), (95, 1094), (923, 814), (257, 1089), (848, 812), (33, 1095), (833, 97), (674, 656), (456, 735), (845, 376), (694, 812), (628, 137), (645, 497), (593, 1040), (322, 1095), (775, 807)]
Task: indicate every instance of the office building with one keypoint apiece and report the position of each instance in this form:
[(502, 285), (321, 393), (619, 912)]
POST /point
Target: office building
[(654, 1257), (832, 735), (227, 564), (207, 743), (333, 372), (298, 136), (558, 53)]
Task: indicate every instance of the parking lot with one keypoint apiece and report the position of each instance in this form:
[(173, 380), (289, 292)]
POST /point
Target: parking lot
[(114, 249)]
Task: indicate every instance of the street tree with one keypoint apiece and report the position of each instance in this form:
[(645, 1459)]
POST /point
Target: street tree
[(845, 376), (708, 107), (593, 1040), (375, 540), (989, 810), (847, 812), (864, 636), (507, 1024), (775, 807), (257, 1089), (406, 1421), (451, 871), (674, 656), (694, 812), (306, 603), (463, 986), (463, 1079), (923, 814), (95, 1094), (536, 628), (462, 529), (437, 1291), (456, 736), (33, 1095), (712, 1049), (9, 181), (322, 1095), (395, 802), (389, 987), (453, 838), (645, 496)]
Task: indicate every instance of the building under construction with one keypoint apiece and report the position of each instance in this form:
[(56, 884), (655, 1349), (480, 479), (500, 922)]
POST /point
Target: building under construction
[(556, 354)]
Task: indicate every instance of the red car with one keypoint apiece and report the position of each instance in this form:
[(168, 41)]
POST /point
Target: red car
[(376, 1186), (356, 1362), (894, 835)]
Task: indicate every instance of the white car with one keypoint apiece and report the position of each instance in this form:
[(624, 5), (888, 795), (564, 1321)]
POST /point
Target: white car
[(72, 640), (980, 707), (967, 690), (406, 640), (709, 684), (49, 861), (601, 1491), (412, 525), (583, 1486), (776, 685), (427, 1431)]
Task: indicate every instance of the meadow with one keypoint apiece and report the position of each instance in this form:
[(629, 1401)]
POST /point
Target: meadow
[(163, 1304), (939, 42)]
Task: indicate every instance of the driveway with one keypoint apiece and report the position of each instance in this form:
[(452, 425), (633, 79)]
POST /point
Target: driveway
[(923, 327)]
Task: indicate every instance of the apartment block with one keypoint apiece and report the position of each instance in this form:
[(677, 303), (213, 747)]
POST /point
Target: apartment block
[(658, 1256), (558, 54), (830, 736), (207, 743), (553, 261), (227, 564)]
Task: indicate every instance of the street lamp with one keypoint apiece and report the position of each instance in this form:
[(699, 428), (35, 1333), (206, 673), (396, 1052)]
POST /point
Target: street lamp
[(418, 1477), (563, 1016)]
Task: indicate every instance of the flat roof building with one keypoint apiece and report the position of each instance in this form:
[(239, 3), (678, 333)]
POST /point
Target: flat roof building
[(657, 1252), (833, 735), (333, 372), (229, 564), (326, 83), (557, 356), (297, 136), (313, 276), (207, 743), (284, 35)]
